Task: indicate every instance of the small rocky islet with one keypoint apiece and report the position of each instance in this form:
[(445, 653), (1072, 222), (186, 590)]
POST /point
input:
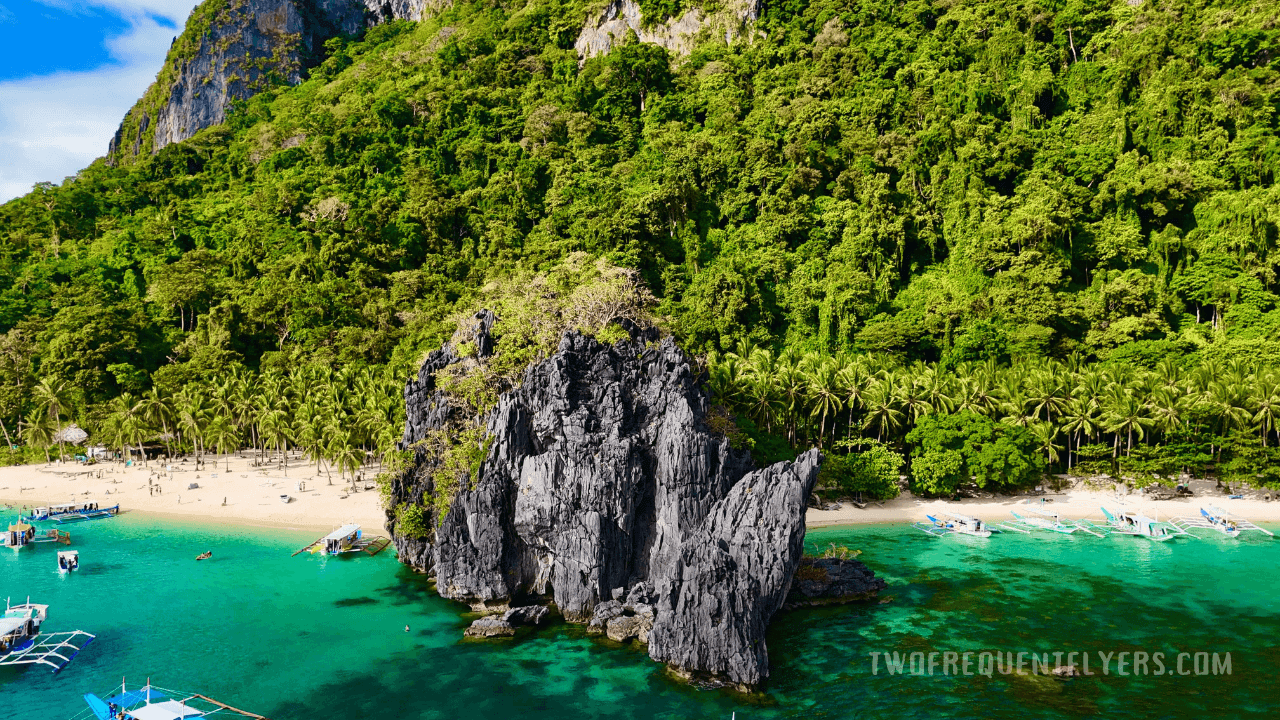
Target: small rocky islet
[(605, 496)]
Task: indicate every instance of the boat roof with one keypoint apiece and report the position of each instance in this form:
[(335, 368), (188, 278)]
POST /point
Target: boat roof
[(68, 553), (10, 624), (956, 516), (19, 527), (342, 532), (167, 710)]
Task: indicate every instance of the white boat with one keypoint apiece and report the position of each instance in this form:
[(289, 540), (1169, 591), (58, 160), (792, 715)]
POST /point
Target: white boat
[(22, 644), (1131, 522), (73, 512), (153, 703), (946, 523), (68, 561), (1044, 520), (286, 499), (1215, 518), (20, 627), (347, 539)]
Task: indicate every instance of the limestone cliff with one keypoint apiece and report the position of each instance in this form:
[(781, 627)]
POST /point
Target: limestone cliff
[(610, 27), (602, 476), (231, 50)]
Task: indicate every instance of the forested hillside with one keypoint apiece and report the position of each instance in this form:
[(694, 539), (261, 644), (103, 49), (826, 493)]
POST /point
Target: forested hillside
[(953, 182)]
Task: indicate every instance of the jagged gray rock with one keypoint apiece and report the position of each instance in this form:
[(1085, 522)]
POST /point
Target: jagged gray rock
[(490, 626), (732, 575), (602, 476), (532, 615), (832, 581)]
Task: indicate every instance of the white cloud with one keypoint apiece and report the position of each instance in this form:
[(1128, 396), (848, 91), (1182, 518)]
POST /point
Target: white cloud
[(51, 126)]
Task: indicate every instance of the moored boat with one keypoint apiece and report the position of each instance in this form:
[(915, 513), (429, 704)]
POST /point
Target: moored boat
[(72, 512), (19, 535), (1131, 522), (1215, 518), (347, 539), (153, 703), (946, 523)]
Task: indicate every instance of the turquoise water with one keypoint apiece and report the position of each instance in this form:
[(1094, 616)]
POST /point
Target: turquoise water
[(310, 637)]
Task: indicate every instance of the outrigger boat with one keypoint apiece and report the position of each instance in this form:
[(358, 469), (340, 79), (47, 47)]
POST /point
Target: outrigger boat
[(22, 534), (1130, 522), (947, 523), (346, 539), (68, 560), (1039, 518), (22, 644), (1214, 518), (153, 703), (72, 512)]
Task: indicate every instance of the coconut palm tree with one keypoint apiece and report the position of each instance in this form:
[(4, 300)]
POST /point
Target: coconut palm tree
[(824, 394), (37, 430), (882, 410), (157, 411), (127, 423), (224, 436), (51, 396)]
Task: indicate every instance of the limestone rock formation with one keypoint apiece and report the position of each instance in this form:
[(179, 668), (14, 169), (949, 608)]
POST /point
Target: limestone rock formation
[(231, 50), (490, 626), (604, 491), (677, 34), (831, 581), (732, 574)]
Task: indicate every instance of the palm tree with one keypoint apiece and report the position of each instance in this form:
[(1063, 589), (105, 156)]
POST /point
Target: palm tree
[(1045, 433), (157, 411), (824, 392), (1266, 397), (127, 423), (51, 396), (763, 400), (225, 437), (882, 411), (853, 382), (1125, 413), (37, 430)]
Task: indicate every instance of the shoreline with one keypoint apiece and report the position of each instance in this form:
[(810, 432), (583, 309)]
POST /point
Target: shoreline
[(1076, 502), (249, 493), (249, 496)]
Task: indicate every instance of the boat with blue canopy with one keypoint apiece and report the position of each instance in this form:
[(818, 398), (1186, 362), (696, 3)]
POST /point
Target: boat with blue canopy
[(154, 703), (72, 512)]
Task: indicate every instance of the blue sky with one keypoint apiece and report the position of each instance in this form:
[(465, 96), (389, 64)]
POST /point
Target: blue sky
[(69, 70)]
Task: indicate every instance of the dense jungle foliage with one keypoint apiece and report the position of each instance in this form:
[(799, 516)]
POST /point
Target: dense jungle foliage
[(981, 186)]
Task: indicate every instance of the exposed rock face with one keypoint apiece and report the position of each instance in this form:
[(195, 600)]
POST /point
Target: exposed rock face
[(733, 573), (677, 34), (831, 581), (490, 626), (233, 49), (604, 490)]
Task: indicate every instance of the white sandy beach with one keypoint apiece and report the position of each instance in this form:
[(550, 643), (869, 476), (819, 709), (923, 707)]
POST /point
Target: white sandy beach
[(251, 493), (1076, 503), (248, 494)]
